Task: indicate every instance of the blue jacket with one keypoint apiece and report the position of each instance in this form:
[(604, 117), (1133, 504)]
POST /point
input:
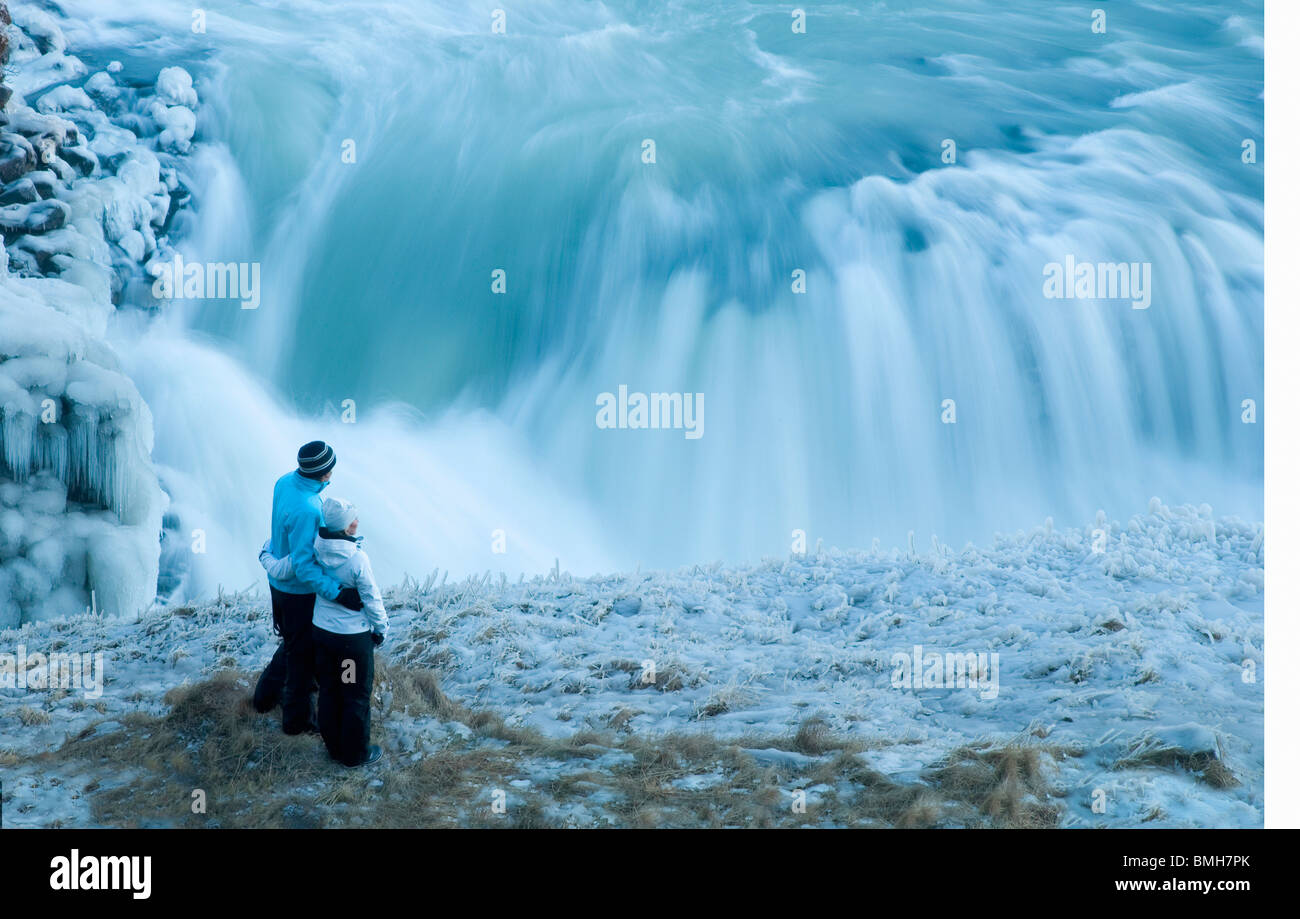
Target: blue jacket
[(295, 518)]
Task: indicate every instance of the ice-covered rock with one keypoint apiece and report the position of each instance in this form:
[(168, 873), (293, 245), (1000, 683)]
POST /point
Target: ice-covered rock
[(81, 158), (73, 431), (47, 183), (38, 217), (176, 126), (64, 98), (17, 156), (141, 173), (12, 527), (19, 191), (176, 87), (87, 175), (33, 124), (102, 86), (41, 27)]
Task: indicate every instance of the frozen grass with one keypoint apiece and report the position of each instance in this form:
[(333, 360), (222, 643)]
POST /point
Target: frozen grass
[(252, 775), (708, 696), (1205, 766)]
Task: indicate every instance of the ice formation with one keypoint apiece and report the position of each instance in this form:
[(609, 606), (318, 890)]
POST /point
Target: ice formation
[(84, 202)]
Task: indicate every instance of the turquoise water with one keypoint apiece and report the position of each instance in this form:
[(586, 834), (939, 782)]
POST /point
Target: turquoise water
[(775, 151)]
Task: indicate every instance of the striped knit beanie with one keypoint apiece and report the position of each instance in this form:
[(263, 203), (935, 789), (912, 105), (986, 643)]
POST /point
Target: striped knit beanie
[(315, 459)]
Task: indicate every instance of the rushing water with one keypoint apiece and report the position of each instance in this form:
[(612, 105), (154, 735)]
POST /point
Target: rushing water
[(775, 152)]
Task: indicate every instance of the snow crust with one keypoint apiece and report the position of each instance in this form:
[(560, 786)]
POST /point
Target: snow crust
[(1153, 646)]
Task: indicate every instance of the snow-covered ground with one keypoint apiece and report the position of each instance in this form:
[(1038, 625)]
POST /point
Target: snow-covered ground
[(1133, 645)]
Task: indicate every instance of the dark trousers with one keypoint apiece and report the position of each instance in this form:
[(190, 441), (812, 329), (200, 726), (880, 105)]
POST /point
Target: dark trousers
[(290, 677), (345, 669)]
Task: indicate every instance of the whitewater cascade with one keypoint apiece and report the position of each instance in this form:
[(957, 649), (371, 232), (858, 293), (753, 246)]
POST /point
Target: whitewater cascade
[(840, 240)]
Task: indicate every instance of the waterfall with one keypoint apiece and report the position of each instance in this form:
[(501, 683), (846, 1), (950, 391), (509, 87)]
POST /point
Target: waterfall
[(843, 241)]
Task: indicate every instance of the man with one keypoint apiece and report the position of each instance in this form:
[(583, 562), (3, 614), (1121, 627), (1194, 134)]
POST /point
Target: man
[(295, 519)]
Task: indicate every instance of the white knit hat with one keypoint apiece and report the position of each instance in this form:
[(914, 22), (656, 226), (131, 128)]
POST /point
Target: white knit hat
[(338, 513)]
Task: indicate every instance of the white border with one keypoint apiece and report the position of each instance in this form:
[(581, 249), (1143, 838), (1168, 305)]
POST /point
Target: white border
[(1279, 415)]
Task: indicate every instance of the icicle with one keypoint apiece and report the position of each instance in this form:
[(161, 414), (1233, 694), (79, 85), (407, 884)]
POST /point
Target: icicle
[(113, 462), (52, 450), (83, 455), (19, 432)]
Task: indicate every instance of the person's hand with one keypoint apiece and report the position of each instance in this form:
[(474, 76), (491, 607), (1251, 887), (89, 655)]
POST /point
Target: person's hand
[(377, 638), (348, 598)]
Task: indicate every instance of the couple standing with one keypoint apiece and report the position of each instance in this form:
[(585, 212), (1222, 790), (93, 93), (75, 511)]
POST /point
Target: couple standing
[(327, 610)]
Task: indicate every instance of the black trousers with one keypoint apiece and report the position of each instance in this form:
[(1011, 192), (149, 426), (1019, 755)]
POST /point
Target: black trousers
[(345, 669), (290, 677)]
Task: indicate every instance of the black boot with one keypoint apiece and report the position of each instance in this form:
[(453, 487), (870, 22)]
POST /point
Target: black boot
[(373, 755)]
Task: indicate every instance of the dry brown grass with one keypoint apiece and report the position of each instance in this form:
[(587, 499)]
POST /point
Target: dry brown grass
[(815, 738), (255, 776), (670, 677), (1004, 784), (31, 716), (1205, 766)]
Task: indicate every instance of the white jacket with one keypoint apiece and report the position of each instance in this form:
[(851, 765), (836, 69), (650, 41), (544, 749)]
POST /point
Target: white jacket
[(345, 561)]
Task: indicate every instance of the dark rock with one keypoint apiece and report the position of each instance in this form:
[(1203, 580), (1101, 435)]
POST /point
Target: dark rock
[(61, 169), (23, 263), (113, 162), (16, 157), (46, 182), (50, 252), (38, 217), (19, 191), (39, 128), (81, 159)]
